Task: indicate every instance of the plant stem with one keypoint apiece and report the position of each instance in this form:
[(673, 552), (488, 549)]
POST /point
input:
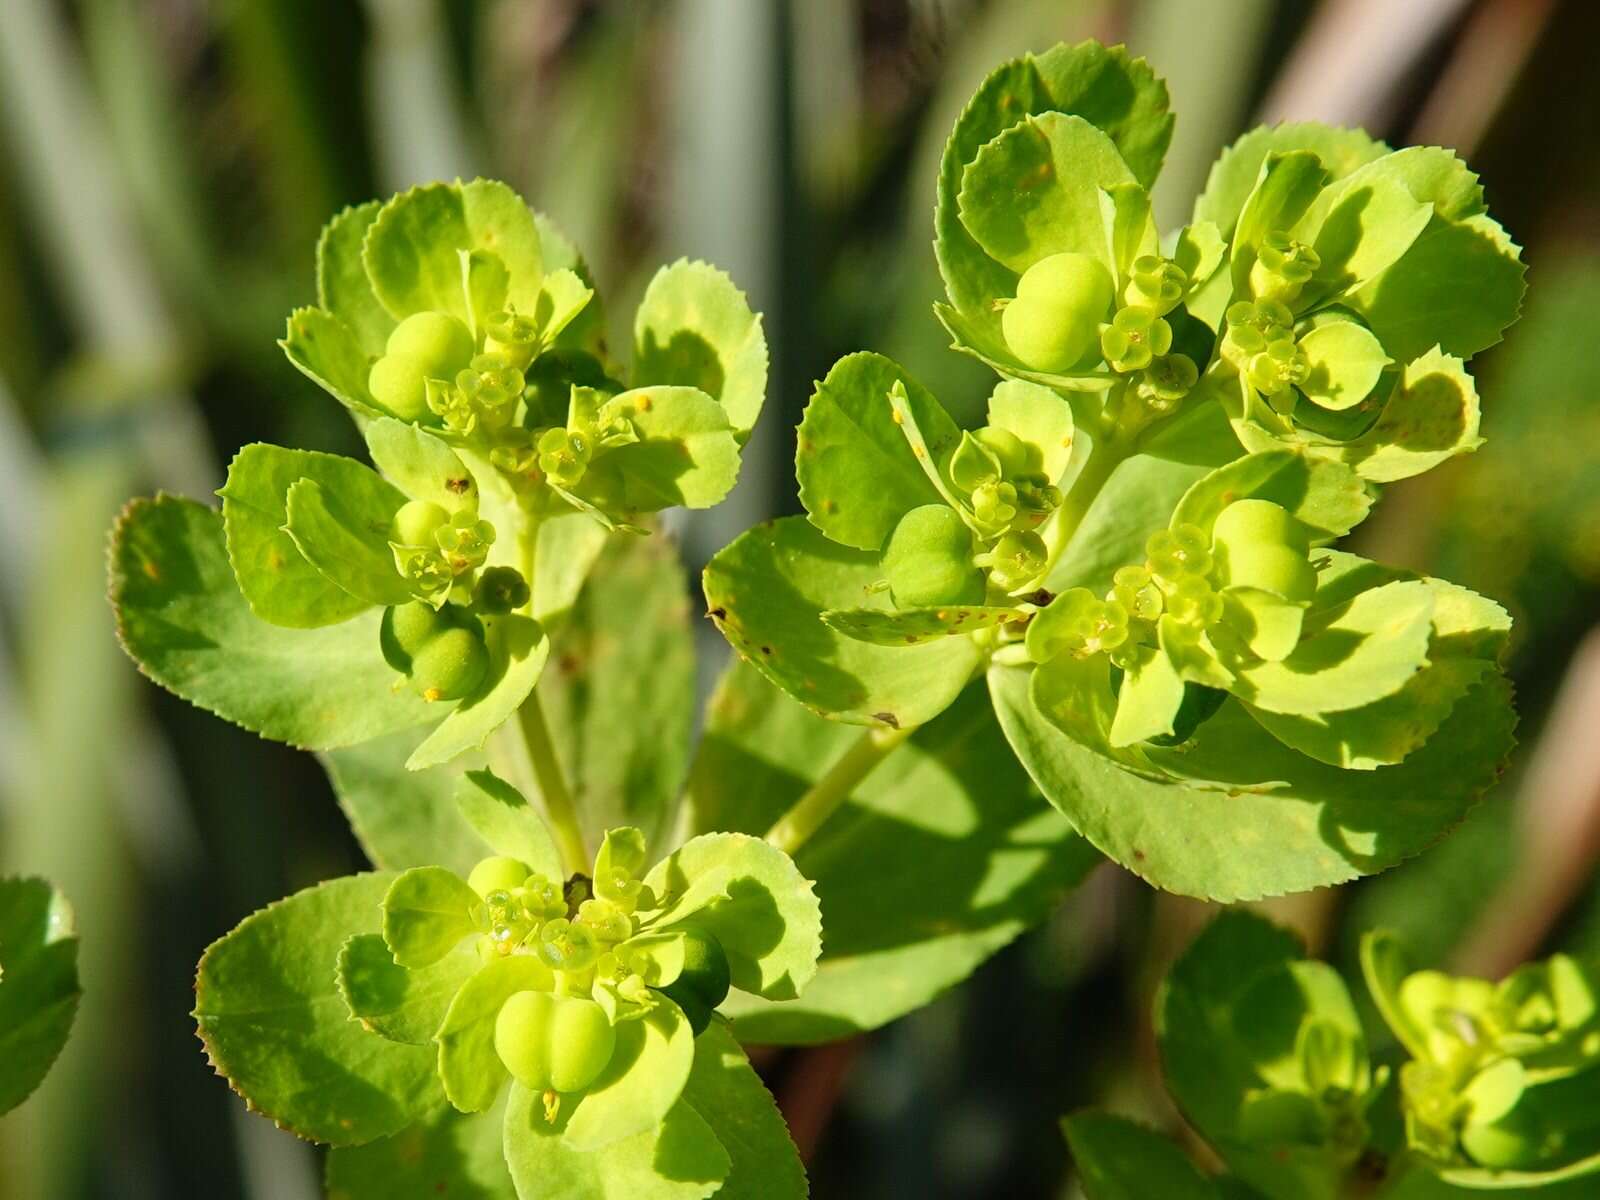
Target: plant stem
[(1103, 460), (1104, 457), (807, 814), (560, 808)]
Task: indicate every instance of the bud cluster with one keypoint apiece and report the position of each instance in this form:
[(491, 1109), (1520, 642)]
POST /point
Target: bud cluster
[(439, 552), (1174, 580), (581, 962), (1260, 345), (943, 554), (1504, 1074)]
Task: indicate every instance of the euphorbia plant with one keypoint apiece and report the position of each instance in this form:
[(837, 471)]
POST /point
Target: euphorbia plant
[(1135, 549), (1266, 1055), (513, 980), (1119, 586)]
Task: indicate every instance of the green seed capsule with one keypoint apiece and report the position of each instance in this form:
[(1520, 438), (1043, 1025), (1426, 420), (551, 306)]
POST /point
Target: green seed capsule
[(399, 385), (1261, 545), (1056, 315), (500, 590), (412, 626), (498, 874), (553, 1043), (1260, 521), (415, 523), (441, 652), (451, 665), (438, 343), (928, 560), (705, 979)]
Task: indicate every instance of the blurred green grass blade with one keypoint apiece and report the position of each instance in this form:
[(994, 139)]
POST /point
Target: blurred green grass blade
[(140, 107), (1207, 51), (418, 130), (297, 69)]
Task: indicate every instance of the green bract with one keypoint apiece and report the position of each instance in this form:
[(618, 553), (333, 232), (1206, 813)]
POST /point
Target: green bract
[(1265, 1055), (38, 983), (1137, 545)]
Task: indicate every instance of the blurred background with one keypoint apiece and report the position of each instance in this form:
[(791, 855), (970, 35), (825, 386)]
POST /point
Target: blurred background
[(165, 166)]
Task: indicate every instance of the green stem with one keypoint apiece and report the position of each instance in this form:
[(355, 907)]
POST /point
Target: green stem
[(561, 810), (1105, 457), (807, 814), (559, 806)]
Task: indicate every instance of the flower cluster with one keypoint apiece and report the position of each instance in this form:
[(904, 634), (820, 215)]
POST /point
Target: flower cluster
[(1185, 426), (1502, 1075), (1266, 1056), (551, 970)]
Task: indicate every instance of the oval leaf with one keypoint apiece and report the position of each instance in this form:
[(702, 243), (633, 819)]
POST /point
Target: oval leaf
[(38, 984), (281, 585), (269, 1012), (749, 896), (469, 1064), (1252, 817), (459, 1155), (639, 1086), (857, 472), (679, 1159), (518, 649), (506, 821), (396, 1002), (181, 617), (694, 328)]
